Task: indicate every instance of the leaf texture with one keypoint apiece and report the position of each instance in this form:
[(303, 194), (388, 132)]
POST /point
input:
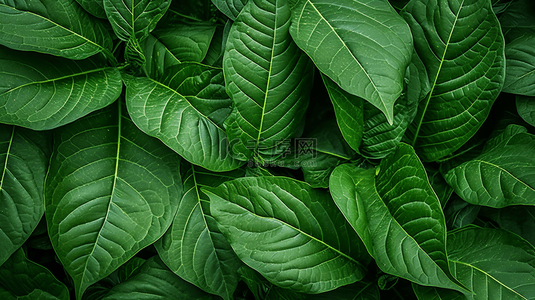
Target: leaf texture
[(290, 233), (461, 44), (520, 54), (231, 8), (525, 107), (185, 109), (393, 213), (364, 46), (194, 248), (270, 85), (43, 92), (23, 166), (57, 27), (110, 191)]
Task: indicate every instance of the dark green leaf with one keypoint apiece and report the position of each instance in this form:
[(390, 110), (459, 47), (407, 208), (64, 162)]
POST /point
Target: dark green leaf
[(23, 166), (517, 219), (110, 192), (290, 233), (362, 45), (460, 213), (432, 293), (269, 88), (94, 7), (462, 48), (231, 8), (521, 13), (526, 109), (185, 110), (57, 27), (43, 92), (520, 54)]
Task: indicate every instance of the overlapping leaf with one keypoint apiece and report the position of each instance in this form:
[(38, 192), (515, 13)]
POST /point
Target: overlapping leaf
[(194, 248), (57, 27), (43, 92), (364, 46), (94, 7), (291, 234), (270, 85), (502, 175), (393, 213), (21, 278), (136, 18), (110, 191), (23, 166), (155, 281), (231, 8), (494, 263), (185, 109), (526, 109), (461, 45), (520, 54)]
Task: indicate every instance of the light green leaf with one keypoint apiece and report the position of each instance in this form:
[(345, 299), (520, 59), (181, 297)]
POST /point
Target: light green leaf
[(520, 54), (462, 49), (57, 27), (526, 109), (94, 7), (362, 45), (23, 166), (110, 192), (136, 18), (43, 92), (231, 8), (175, 43), (194, 248), (23, 279), (393, 212), (290, 233), (185, 109), (269, 87), (502, 175), (349, 113), (154, 281), (494, 263)]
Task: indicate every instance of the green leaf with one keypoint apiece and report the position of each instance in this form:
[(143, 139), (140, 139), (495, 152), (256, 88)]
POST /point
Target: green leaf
[(23, 166), (462, 49), (502, 175), (520, 54), (393, 212), (94, 7), (269, 87), (362, 45), (23, 279), (494, 263), (43, 92), (517, 219), (519, 14), (289, 232), (110, 191), (231, 8), (349, 113), (175, 43), (433, 293), (135, 18), (460, 213), (57, 27), (194, 248), (185, 109), (155, 281), (526, 109)]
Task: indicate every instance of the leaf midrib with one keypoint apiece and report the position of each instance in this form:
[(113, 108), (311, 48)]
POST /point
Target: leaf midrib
[(7, 157)]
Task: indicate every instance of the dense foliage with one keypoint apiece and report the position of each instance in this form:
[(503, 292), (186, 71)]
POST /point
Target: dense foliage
[(267, 149)]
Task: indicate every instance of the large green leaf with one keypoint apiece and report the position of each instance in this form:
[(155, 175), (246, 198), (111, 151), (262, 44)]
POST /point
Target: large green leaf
[(185, 109), (135, 18), (520, 54), (43, 92), (393, 212), (461, 44), (175, 43), (494, 263), (23, 166), (526, 108), (57, 27), (289, 232), (270, 86), (193, 247), (231, 8), (362, 45), (110, 191), (502, 175), (155, 281), (21, 279)]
